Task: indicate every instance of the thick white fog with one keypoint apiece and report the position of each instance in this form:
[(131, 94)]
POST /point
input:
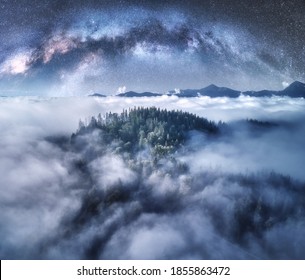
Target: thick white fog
[(242, 197)]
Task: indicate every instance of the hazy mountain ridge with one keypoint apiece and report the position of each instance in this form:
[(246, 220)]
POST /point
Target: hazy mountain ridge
[(294, 90)]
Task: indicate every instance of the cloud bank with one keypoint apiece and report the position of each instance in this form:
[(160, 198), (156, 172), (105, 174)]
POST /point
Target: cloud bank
[(238, 196)]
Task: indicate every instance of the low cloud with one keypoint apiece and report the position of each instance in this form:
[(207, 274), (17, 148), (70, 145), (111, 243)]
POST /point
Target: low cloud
[(121, 89)]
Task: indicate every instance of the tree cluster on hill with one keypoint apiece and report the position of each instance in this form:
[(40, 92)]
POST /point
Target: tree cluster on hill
[(262, 124), (140, 127)]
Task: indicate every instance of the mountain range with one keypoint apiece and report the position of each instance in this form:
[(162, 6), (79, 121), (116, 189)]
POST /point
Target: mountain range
[(294, 90)]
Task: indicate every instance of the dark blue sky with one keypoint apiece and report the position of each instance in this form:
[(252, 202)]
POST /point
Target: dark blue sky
[(80, 47)]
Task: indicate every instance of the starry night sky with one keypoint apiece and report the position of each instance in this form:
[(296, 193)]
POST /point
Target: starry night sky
[(78, 47)]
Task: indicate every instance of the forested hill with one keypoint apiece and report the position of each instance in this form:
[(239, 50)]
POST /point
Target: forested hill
[(136, 128)]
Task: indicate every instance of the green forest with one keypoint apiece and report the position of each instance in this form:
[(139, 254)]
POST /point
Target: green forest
[(134, 129)]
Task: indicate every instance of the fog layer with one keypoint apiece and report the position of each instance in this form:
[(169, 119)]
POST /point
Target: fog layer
[(237, 196)]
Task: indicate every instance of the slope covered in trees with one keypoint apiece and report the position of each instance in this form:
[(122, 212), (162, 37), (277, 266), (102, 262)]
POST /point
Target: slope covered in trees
[(138, 128)]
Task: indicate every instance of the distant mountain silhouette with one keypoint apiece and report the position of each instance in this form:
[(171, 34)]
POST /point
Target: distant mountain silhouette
[(215, 91), (185, 93), (294, 90), (97, 95), (211, 91), (261, 93), (136, 94)]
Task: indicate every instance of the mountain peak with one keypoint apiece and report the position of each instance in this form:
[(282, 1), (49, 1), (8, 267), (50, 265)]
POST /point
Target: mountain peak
[(215, 91), (296, 84), (295, 89), (211, 86)]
